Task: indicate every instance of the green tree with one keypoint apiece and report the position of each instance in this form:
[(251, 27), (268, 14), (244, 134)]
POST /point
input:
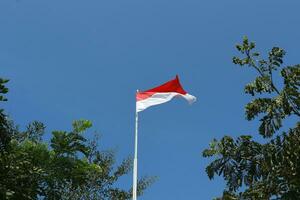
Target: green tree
[(270, 169), (69, 167), (6, 130)]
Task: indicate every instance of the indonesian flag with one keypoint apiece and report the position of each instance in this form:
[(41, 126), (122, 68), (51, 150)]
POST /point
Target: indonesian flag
[(162, 94)]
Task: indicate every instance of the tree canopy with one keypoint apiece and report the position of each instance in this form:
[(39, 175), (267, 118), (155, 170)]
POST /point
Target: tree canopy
[(270, 169), (70, 166)]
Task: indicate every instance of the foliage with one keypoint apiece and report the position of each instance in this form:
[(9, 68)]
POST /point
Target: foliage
[(69, 167), (269, 170), (6, 130)]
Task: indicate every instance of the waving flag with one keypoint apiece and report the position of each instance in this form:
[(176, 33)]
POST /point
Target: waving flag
[(155, 96), (162, 94)]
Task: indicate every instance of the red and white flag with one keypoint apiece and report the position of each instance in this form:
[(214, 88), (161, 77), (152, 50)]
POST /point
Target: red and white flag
[(162, 94)]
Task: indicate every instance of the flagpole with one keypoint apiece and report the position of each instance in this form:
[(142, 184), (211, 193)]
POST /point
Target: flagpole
[(134, 187)]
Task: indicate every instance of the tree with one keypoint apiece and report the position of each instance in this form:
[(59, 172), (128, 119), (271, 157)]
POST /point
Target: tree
[(6, 130), (271, 169), (69, 167)]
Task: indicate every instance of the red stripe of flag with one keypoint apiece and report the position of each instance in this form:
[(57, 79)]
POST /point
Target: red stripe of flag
[(170, 86)]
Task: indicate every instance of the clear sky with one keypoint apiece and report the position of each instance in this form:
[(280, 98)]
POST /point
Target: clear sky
[(72, 59)]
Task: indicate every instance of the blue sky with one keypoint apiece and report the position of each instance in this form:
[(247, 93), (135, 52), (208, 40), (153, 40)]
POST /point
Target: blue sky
[(85, 59)]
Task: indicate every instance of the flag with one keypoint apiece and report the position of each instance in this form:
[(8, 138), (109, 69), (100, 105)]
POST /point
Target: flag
[(162, 94)]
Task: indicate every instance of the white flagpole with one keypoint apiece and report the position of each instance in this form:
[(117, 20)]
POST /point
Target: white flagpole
[(134, 187)]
